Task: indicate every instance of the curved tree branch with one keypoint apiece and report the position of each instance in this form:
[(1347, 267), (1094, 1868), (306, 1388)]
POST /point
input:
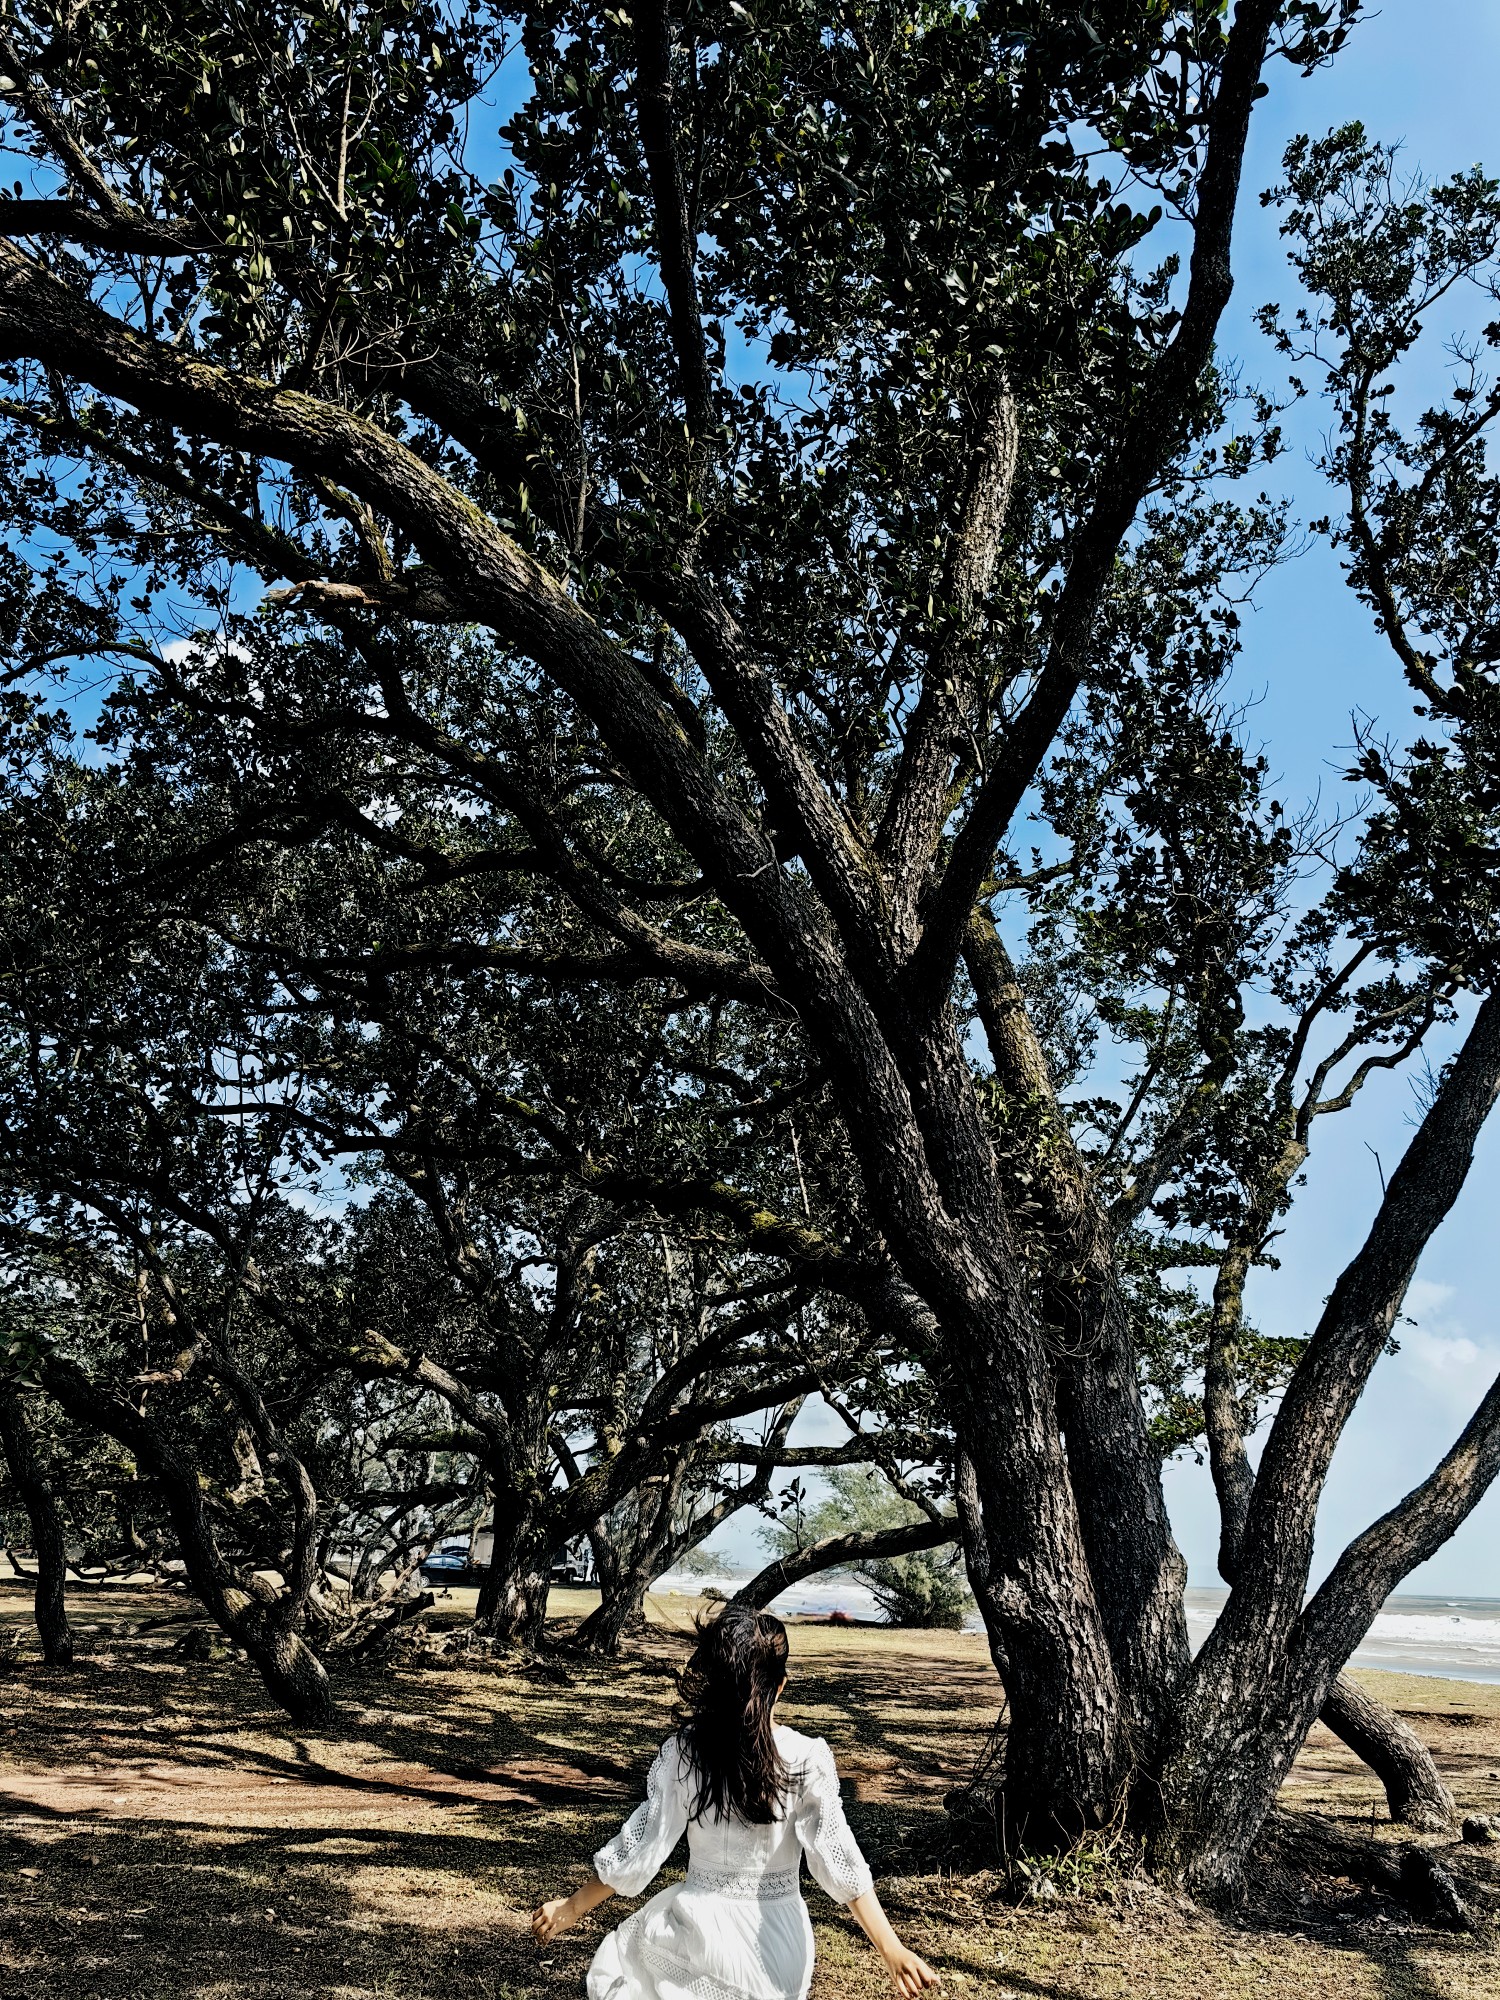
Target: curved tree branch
[(860, 1545), (1150, 433)]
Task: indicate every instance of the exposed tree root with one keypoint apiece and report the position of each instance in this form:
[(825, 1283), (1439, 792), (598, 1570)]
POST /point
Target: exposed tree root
[(606, 1639), (365, 1640), (1452, 1886), (1415, 1793)]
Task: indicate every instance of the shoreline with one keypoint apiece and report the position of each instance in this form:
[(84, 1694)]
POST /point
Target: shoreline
[(1445, 1637), (1408, 1654)]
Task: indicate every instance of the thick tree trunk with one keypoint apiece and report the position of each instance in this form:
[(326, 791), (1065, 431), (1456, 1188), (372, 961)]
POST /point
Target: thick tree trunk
[(1415, 1794), (293, 1674), (1069, 1748), (31, 1480), (513, 1596), (970, 1515), (622, 1603), (1137, 1571), (1133, 1560), (607, 1559), (996, 1365), (1242, 1724), (248, 1609), (621, 1610)]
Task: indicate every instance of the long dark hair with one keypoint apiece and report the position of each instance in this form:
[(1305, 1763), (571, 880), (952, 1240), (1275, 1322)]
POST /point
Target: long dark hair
[(729, 1687)]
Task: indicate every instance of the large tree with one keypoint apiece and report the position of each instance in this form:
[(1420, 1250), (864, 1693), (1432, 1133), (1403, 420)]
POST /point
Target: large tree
[(809, 458)]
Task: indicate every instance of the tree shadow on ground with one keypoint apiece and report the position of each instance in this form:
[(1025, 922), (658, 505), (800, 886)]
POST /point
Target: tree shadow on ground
[(205, 1848), (174, 1838), (167, 1912)]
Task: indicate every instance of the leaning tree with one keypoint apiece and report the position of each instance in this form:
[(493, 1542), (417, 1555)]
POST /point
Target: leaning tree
[(792, 427)]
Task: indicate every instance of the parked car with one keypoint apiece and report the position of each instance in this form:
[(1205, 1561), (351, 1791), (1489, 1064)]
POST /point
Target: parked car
[(451, 1562), (447, 1564)]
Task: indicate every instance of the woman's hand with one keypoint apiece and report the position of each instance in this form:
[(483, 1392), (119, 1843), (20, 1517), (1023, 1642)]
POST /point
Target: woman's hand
[(909, 1974), (560, 1915), (553, 1918)]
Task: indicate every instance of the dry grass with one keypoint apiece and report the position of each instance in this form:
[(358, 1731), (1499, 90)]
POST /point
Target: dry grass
[(165, 1835)]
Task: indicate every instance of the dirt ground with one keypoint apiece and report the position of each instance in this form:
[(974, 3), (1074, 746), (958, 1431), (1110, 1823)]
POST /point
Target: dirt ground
[(165, 1834)]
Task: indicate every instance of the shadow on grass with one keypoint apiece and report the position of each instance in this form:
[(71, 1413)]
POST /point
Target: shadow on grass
[(394, 1854), (163, 1888), (162, 1912)]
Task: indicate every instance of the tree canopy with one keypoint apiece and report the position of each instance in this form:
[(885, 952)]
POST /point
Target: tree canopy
[(626, 808)]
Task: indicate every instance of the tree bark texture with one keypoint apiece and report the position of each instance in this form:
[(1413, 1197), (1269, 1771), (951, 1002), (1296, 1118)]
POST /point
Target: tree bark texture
[(970, 1515), (512, 1602), (1069, 1752), (1415, 1794), (33, 1482), (1133, 1561)]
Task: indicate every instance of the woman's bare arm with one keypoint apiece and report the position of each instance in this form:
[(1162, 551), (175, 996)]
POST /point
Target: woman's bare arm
[(909, 1974), (560, 1915)]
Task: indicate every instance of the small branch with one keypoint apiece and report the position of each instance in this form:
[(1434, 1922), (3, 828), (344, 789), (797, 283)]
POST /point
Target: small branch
[(1147, 438), (674, 241), (919, 793), (75, 162), (427, 603), (122, 230)]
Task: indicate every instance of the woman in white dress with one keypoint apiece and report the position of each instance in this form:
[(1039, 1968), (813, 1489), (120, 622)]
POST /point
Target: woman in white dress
[(754, 1797)]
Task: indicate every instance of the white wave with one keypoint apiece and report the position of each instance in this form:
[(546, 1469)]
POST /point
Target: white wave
[(1447, 1642), (1445, 1629)]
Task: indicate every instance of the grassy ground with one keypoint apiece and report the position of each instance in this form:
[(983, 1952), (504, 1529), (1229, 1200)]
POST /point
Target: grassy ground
[(166, 1835)]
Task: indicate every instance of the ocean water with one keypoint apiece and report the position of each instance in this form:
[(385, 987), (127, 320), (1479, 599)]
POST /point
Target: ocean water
[(1452, 1638)]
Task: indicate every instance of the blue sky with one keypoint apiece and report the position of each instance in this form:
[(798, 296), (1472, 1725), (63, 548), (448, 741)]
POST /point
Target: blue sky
[(1422, 74)]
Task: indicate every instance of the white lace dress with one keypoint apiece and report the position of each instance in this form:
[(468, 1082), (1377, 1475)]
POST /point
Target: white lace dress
[(737, 1928)]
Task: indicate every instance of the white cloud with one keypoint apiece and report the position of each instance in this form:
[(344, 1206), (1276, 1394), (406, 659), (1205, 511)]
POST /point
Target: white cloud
[(1444, 1352), (1428, 1300), (1437, 1348), (198, 643)]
